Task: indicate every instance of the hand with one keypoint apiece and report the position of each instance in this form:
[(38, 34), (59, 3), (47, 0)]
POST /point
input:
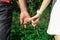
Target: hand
[(24, 18), (35, 20)]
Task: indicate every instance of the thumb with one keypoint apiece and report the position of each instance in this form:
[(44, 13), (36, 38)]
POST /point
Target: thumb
[(34, 17)]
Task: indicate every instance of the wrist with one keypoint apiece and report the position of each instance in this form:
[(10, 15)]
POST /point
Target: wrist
[(39, 12), (24, 11)]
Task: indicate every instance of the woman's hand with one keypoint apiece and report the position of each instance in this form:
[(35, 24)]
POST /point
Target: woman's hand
[(35, 19)]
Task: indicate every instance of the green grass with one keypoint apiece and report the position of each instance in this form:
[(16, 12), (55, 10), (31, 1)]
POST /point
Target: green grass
[(39, 33)]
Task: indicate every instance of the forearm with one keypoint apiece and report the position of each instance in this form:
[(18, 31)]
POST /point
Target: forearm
[(45, 3), (22, 5)]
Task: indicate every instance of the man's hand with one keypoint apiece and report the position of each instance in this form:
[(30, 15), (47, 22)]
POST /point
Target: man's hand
[(24, 18)]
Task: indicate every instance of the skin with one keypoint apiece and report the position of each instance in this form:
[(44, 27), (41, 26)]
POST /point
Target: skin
[(24, 15), (42, 8), (25, 18), (57, 37)]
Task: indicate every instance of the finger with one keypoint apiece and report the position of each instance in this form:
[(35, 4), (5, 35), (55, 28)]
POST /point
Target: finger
[(34, 17), (34, 24), (25, 22), (25, 26), (21, 20), (35, 21)]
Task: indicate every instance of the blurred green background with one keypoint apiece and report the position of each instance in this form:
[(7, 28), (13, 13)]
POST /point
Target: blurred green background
[(30, 33)]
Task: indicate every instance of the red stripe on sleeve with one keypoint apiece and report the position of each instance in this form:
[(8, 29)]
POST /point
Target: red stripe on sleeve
[(8, 1)]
